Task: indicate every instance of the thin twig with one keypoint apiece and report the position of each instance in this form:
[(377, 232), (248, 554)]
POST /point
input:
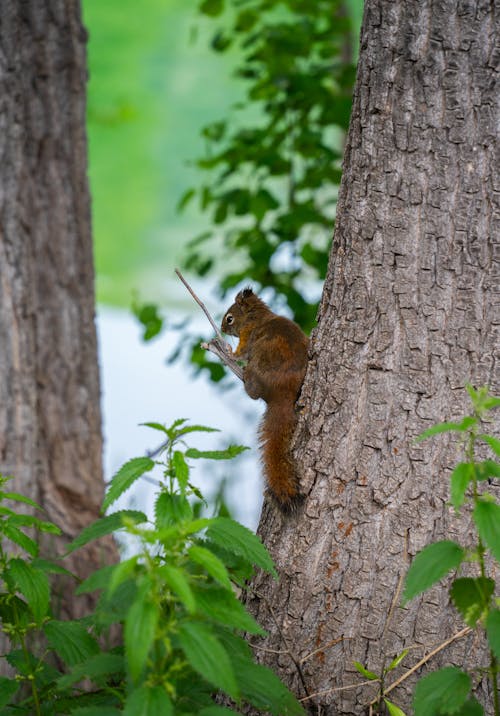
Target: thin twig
[(333, 642), (218, 345), (201, 305), (425, 659), (335, 689)]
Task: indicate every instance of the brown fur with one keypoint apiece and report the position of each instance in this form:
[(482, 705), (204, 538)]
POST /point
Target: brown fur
[(275, 351)]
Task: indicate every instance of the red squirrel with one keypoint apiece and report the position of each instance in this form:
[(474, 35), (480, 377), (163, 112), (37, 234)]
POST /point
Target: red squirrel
[(274, 349)]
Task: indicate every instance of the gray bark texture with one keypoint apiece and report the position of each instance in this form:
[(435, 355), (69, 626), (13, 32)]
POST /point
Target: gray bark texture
[(50, 421), (410, 313)]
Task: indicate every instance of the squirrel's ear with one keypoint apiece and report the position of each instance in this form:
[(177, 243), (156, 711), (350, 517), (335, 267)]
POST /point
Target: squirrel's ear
[(245, 293)]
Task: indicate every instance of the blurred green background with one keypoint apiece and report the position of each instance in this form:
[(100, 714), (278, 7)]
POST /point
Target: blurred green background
[(154, 83)]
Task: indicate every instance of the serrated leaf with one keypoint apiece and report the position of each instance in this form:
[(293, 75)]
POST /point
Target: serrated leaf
[(487, 469), (393, 709), (493, 442), (227, 454), (208, 657), (181, 469), (179, 585), (8, 687), (50, 567), (33, 585), (443, 691), (471, 597), (70, 640), (171, 509), (125, 478), (140, 629), (148, 701), (239, 539), (31, 521), (211, 564), (397, 660), (430, 565), (97, 580), (105, 526), (98, 667), (196, 429), (22, 540), (461, 427), (221, 606), (460, 478), (364, 671), (487, 518), (16, 497), (121, 573), (493, 631), (262, 688)]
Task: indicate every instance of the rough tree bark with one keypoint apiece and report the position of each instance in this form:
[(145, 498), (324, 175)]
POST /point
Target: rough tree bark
[(409, 315), (50, 421)]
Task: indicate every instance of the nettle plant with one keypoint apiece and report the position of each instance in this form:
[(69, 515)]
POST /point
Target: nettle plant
[(447, 690), (182, 637)]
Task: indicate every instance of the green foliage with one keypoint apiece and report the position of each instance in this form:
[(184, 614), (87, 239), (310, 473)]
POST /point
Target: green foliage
[(182, 623), (272, 166), (447, 691)]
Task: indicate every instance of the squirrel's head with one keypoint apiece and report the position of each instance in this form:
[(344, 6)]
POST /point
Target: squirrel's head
[(244, 305)]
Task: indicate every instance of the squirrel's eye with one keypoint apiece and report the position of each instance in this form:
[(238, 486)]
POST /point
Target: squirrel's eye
[(229, 319)]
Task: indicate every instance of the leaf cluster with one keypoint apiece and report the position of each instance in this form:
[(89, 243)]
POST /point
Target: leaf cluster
[(272, 169), (447, 691), (174, 600)]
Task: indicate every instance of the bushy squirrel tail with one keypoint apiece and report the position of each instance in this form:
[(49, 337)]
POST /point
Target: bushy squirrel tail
[(275, 434)]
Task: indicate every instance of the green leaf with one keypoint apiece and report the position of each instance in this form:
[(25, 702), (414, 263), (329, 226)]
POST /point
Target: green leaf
[(441, 692), (460, 478), (493, 442), (33, 585), (393, 709), (148, 701), (430, 565), (262, 688), (171, 509), (487, 469), (97, 580), (105, 526), (125, 478), (397, 660), (364, 671), (50, 567), (140, 630), (70, 640), (95, 711), (31, 521), (221, 606), (493, 631), (16, 497), (487, 518), (239, 539), (471, 707), (97, 668), (216, 711), (211, 7), (181, 469), (461, 427), (471, 597), (8, 687), (227, 454), (179, 585), (211, 564), (121, 572), (207, 657), (15, 535), (196, 429)]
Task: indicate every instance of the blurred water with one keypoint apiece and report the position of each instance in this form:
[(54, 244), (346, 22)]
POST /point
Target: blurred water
[(138, 386)]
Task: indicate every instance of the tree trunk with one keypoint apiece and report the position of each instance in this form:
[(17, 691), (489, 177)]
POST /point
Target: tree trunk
[(50, 421), (409, 315)]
